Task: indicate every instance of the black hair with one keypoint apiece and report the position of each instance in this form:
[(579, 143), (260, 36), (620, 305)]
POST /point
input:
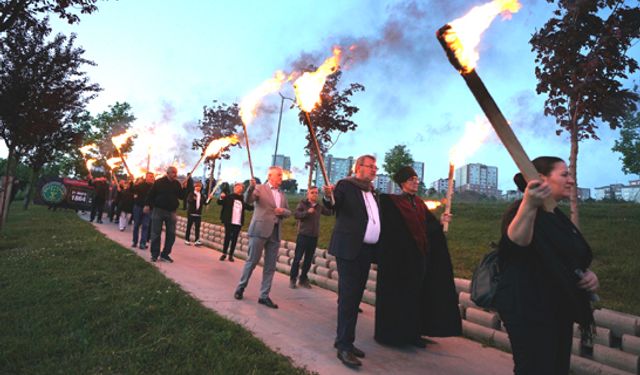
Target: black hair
[(543, 164)]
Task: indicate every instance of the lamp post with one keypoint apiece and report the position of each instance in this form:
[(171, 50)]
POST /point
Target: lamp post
[(282, 98)]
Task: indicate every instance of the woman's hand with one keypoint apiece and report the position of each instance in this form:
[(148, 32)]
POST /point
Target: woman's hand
[(589, 281), (535, 193)]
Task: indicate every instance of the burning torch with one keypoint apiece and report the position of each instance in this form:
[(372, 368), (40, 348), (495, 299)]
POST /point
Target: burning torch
[(308, 88), (118, 141), (215, 147), (459, 39)]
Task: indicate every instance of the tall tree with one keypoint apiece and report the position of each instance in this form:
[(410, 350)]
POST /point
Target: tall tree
[(582, 60), (218, 121), (43, 91), (31, 12), (333, 114), (114, 121), (629, 144), (396, 158)]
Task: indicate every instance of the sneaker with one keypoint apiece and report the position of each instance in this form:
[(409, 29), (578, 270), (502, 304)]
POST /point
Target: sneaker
[(238, 293), (154, 259), (121, 229), (231, 259), (187, 243), (198, 243), (224, 256), (143, 246), (134, 245), (166, 258), (99, 221), (305, 284), (292, 284)]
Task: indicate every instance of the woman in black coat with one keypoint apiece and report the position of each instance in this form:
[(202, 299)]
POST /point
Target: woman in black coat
[(232, 222), (545, 284), (415, 292)]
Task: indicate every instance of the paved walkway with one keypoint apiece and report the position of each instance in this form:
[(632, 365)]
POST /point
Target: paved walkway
[(303, 328)]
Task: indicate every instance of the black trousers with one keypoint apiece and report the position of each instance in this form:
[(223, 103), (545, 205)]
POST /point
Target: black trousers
[(97, 207), (539, 347), (191, 221), (305, 247), (352, 279), (231, 232), (159, 217)]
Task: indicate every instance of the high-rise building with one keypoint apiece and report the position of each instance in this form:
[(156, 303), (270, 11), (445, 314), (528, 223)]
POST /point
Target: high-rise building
[(337, 169), (441, 185), (477, 177), (383, 183), (282, 161), (418, 166)]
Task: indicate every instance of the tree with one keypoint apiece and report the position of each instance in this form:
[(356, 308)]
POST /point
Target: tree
[(582, 60), (218, 121), (43, 93), (31, 12), (116, 120), (289, 186), (629, 144), (397, 158), (332, 114)]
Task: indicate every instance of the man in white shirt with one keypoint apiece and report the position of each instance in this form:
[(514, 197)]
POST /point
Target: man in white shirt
[(353, 243)]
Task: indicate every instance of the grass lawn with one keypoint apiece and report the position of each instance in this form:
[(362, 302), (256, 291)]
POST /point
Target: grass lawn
[(612, 230), (74, 302)]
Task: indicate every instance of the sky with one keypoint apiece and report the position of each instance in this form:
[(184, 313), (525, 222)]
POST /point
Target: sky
[(169, 59)]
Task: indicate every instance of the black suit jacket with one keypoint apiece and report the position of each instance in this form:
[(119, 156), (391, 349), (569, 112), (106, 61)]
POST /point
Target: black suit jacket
[(351, 220)]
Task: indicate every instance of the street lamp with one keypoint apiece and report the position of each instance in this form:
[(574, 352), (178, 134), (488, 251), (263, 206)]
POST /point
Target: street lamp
[(282, 98)]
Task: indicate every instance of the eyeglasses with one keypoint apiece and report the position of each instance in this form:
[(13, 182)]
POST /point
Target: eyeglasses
[(372, 166)]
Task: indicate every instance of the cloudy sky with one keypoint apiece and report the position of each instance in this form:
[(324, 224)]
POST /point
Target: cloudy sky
[(168, 59)]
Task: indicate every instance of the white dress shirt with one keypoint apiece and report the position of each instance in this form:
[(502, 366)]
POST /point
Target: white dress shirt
[(372, 233)]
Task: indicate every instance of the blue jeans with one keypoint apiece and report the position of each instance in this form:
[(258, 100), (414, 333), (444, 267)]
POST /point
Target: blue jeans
[(140, 219)]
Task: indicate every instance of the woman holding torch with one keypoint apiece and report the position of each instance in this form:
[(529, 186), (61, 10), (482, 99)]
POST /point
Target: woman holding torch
[(545, 284)]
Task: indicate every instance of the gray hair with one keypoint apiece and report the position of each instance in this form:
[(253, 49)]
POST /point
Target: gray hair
[(360, 161)]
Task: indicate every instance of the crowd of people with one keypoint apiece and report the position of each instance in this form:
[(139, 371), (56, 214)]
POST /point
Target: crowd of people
[(545, 284)]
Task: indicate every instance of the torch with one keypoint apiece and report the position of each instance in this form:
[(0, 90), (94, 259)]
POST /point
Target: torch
[(84, 150), (308, 88), (215, 147), (118, 141), (447, 206), (458, 39)]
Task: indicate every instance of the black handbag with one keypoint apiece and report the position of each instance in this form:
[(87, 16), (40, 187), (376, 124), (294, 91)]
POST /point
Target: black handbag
[(484, 281)]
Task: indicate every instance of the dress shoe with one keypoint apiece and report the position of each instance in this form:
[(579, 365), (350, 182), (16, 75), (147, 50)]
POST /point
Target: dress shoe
[(238, 293), (292, 284), (267, 302), (348, 359), (419, 342), (357, 352), (223, 256), (305, 284), (231, 259)]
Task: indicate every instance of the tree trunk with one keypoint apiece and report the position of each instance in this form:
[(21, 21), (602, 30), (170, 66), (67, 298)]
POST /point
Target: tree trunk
[(28, 197), (6, 188), (573, 170)]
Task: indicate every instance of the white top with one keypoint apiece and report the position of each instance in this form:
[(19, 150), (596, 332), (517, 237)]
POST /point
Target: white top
[(237, 212), (372, 233), (197, 194), (276, 194)]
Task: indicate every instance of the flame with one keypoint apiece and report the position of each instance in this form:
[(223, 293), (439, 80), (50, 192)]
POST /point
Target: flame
[(113, 163), (121, 139), (464, 35), (474, 135), (250, 103), (89, 163), (84, 150), (310, 84), (287, 175), (432, 205), (218, 144)]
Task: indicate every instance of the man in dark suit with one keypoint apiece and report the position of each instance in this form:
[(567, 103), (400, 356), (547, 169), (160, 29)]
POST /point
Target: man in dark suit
[(353, 243), (271, 207)]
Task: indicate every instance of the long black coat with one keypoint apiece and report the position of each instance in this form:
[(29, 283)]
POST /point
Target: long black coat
[(227, 208), (415, 292)]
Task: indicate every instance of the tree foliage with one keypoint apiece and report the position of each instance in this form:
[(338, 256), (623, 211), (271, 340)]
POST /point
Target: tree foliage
[(582, 63), (396, 158), (629, 144), (31, 12), (114, 121)]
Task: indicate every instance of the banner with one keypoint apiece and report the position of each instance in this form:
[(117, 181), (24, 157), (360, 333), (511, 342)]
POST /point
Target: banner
[(64, 193)]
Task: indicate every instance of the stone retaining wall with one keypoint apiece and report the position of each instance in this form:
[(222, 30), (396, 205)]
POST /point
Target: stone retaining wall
[(616, 346)]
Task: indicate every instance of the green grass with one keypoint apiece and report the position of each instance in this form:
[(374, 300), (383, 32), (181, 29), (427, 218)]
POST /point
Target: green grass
[(74, 302), (612, 230)]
